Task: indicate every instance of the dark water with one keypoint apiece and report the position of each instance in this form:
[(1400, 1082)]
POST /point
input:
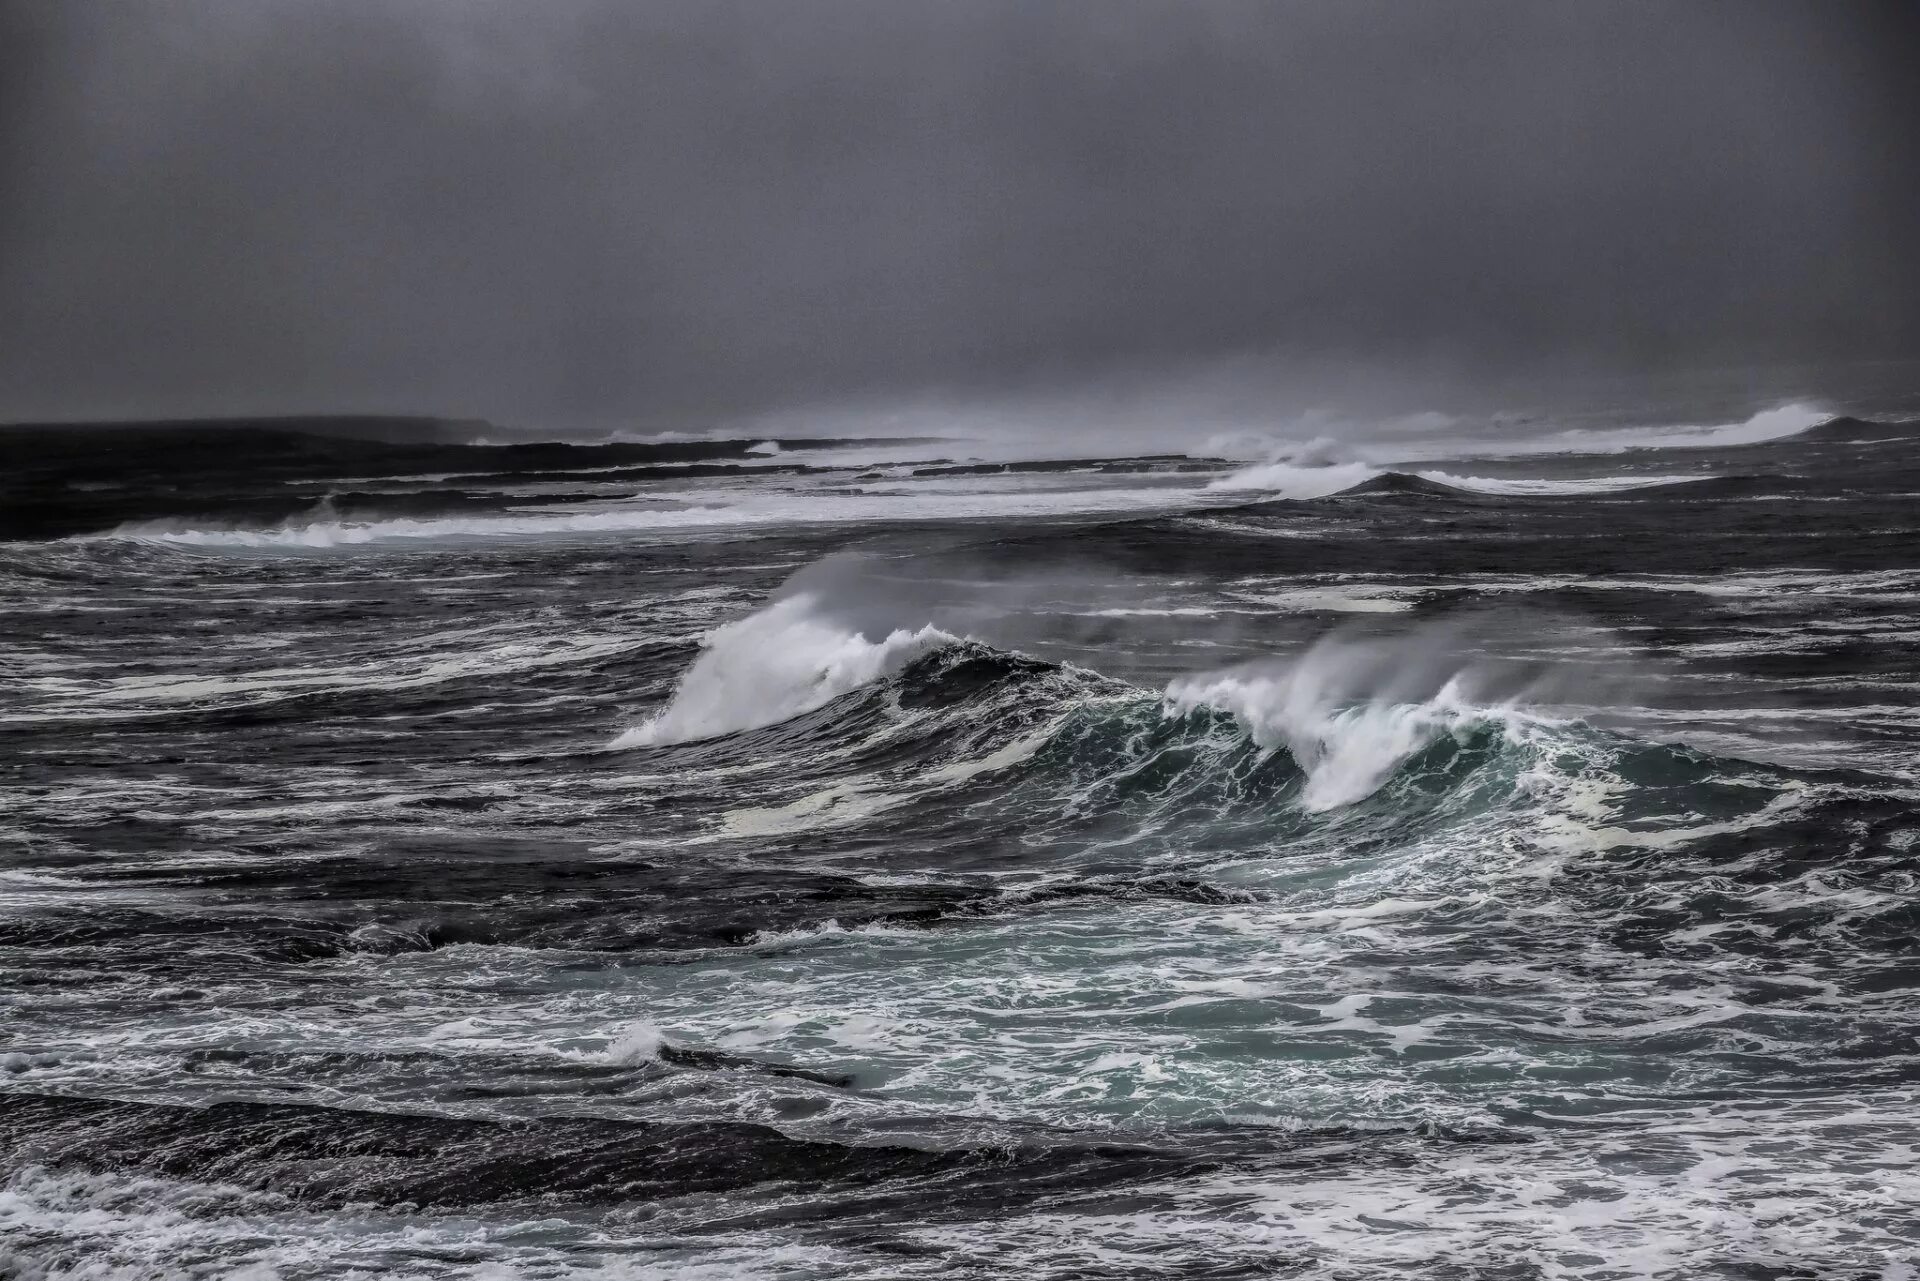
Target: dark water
[(821, 859)]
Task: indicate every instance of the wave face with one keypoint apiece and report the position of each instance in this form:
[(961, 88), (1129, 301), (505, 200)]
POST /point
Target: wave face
[(1507, 862)]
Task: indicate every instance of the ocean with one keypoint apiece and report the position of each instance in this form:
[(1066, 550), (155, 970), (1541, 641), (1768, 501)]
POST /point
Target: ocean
[(437, 853)]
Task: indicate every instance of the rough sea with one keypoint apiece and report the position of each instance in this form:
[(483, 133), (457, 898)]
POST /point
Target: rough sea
[(427, 854)]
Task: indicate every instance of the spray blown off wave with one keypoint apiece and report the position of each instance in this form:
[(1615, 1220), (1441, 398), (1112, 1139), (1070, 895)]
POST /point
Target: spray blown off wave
[(1778, 423), (1287, 479), (773, 665), (1318, 468), (1348, 713), (1351, 712), (1345, 752)]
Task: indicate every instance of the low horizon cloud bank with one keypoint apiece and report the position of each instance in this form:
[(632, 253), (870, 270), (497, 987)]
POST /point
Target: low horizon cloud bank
[(594, 212)]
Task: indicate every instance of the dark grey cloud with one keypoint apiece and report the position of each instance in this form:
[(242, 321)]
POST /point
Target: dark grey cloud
[(588, 210)]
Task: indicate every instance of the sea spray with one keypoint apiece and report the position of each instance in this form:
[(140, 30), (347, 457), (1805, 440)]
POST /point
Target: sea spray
[(1312, 469), (1351, 710), (773, 665)]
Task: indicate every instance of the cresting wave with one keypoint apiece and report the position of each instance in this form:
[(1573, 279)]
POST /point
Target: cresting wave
[(1285, 478), (1296, 481), (1347, 713), (772, 666), (1778, 423), (1321, 467), (1345, 745)]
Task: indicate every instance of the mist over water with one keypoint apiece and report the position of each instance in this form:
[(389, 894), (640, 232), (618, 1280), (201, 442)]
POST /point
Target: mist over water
[(605, 216)]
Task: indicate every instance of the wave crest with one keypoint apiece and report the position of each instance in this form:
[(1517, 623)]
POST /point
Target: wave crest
[(1307, 474), (774, 665), (1350, 713)]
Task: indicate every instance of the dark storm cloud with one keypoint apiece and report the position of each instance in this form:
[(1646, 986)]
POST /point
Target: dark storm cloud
[(586, 210)]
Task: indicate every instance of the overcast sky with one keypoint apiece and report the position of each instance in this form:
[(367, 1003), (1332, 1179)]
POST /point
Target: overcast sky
[(602, 210)]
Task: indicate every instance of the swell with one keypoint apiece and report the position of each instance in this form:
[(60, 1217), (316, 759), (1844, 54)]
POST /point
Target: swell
[(336, 1157), (650, 916), (69, 480), (628, 1061)]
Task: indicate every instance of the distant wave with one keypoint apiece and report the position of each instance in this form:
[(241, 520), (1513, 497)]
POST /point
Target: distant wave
[(347, 533), (1523, 486), (1285, 480), (1864, 430), (679, 510), (1288, 465), (1744, 486), (1767, 425), (71, 480), (1319, 468)]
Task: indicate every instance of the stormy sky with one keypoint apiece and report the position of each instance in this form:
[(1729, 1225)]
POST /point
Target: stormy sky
[(657, 210)]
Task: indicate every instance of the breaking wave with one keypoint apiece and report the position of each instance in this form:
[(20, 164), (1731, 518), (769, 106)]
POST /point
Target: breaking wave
[(772, 666), (1321, 467), (1346, 714), (1778, 423), (1295, 481), (1346, 750), (1286, 479)]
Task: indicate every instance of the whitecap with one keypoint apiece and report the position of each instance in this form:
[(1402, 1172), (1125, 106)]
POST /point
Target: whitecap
[(773, 665)]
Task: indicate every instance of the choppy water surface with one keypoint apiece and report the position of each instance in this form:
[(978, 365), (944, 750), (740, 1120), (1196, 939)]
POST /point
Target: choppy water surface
[(755, 859)]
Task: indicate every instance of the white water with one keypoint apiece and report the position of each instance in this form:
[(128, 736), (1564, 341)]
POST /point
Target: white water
[(773, 665), (1287, 479), (1349, 712)]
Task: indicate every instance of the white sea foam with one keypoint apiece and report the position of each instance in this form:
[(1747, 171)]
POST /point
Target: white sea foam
[(1346, 752), (640, 1043), (1285, 478), (1350, 712), (773, 665)]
